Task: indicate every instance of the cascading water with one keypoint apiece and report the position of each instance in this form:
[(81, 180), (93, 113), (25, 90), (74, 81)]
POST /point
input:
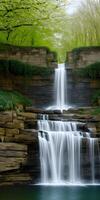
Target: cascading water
[(60, 152), (60, 89), (60, 143)]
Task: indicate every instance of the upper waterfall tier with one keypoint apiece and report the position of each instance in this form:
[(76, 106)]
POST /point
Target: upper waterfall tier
[(60, 89)]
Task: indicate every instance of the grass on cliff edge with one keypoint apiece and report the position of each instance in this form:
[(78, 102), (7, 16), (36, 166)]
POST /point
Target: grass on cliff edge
[(10, 99), (17, 68)]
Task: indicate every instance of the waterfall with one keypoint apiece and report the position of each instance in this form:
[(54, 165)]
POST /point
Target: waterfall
[(60, 143), (92, 159), (92, 142), (60, 152), (60, 86), (60, 89)]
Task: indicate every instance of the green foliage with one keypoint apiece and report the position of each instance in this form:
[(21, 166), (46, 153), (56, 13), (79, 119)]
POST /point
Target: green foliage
[(19, 68), (84, 26), (82, 49), (33, 22), (96, 111), (9, 100), (91, 71), (96, 98), (47, 23)]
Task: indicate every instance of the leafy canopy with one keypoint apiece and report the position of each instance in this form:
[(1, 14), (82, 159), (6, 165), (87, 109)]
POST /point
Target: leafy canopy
[(47, 23), (33, 22)]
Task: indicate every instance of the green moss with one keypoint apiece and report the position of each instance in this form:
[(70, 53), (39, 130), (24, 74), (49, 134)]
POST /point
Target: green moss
[(81, 49), (96, 97), (11, 47), (19, 68), (10, 99), (91, 71), (96, 111)]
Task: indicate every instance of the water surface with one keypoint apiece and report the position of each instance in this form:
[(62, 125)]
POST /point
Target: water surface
[(49, 193)]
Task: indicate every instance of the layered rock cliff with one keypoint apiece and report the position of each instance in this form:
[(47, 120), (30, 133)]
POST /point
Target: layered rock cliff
[(19, 151), (41, 89), (83, 56), (39, 56)]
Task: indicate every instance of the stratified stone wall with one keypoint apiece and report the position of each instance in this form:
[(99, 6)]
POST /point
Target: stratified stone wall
[(41, 89), (40, 56), (19, 152), (83, 56)]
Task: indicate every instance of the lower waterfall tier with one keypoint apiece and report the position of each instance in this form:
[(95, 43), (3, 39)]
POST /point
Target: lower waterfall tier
[(63, 157)]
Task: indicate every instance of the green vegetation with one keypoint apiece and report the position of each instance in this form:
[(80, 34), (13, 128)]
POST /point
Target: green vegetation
[(96, 97), (82, 49), (19, 68), (96, 111), (47, 23), (91, 71), (33, 22), (84, 26), (10, 99)]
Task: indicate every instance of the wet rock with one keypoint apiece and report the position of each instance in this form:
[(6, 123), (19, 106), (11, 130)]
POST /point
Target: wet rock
[(27, 136), (28, 115), (2, 131), (92, 127), (24, 137), (82, 127), (12, 156), (15, 178), (34, 110), (13, 146), (30, 124), (5, 117), (17, 124), (11, 132)]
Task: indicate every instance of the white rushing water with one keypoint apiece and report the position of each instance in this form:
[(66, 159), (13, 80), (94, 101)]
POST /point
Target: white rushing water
[(60, 152), (60, 86), (92, 158), (60, 89), (60, 143)]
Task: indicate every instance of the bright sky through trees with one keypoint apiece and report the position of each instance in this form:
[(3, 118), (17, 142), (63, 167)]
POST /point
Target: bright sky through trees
[(73, 6)]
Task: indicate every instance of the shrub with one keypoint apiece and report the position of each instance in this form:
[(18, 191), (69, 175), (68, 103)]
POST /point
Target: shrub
[(96, 111), (10, 99)]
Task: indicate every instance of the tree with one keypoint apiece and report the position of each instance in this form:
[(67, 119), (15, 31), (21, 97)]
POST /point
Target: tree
[(46, 23), (31, 13), (32, 22), (84, 26)]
